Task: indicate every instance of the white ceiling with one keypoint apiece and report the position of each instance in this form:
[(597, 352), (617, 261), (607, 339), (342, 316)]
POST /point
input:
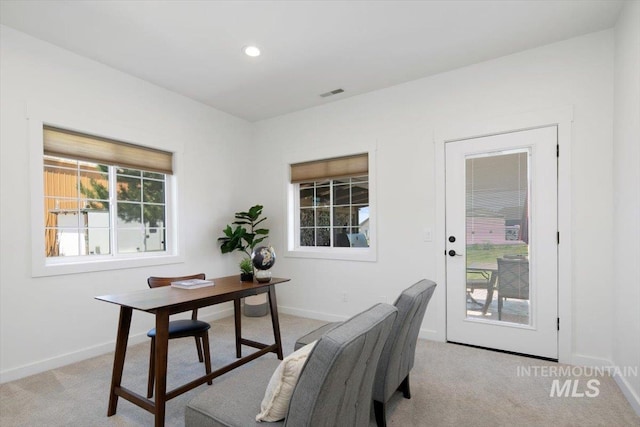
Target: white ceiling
[(309, 47)]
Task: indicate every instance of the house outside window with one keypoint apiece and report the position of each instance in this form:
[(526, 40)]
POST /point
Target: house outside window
[(331, 209), (103, 198)]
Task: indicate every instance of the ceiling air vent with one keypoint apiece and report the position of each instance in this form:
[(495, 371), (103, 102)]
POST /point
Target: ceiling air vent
[(331, 93)]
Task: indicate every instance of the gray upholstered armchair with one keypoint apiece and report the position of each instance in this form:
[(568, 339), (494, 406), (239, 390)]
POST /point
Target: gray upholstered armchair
[(334, 387), (399, 351)]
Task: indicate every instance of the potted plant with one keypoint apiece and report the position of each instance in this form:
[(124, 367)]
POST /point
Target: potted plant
[(244, 237), (246, 270)]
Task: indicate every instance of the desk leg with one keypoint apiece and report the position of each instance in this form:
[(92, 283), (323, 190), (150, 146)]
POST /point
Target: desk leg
[(118, 360), (238, 318), (162, 343), (490, 288), (273, 306)]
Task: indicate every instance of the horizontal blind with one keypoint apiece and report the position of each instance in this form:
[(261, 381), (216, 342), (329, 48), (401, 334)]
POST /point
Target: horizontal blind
[(338, 167), (78, 146)]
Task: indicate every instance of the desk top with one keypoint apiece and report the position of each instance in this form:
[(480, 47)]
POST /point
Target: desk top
[(225, 289)]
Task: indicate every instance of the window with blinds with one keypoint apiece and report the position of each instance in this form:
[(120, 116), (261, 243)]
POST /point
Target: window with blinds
[(103, 197), (332, 202)]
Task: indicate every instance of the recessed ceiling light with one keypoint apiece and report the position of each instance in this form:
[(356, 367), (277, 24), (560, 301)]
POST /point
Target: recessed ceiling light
[(251, 51)]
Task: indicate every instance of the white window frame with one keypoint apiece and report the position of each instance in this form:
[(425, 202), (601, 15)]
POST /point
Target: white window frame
[(51, 266), (292, 229)]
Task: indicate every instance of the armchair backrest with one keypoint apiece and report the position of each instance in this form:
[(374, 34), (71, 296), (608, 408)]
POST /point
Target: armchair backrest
[(399, 352), (334, 388), (513, 278)]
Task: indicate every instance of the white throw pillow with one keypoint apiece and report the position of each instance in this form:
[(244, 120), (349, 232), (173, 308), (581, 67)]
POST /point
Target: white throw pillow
[(275, 403)]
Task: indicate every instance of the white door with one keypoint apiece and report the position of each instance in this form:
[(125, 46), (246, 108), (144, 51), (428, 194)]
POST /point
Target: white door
[(501, 249)]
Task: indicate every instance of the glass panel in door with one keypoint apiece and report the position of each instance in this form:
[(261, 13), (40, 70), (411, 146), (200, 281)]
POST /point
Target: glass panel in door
[(497, 236)]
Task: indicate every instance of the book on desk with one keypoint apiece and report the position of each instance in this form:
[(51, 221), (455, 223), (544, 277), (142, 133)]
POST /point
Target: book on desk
[(192, 283)]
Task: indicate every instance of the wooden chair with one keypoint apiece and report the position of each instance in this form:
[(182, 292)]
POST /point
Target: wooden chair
[(513, 280), (180, 329)]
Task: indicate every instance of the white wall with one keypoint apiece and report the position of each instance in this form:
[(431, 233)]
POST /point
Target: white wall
[(402, 120), (49, 321), (626, 198)]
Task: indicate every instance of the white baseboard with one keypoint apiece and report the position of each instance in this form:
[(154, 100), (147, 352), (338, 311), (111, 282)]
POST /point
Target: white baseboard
[(582, 360), (632, 397), (64, 359), (86, 353), (629, 393), (431, 335), (317, 315)]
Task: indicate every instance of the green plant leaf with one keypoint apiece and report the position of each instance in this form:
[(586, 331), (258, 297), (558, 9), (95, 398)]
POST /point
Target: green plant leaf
[(256, 223), (228, 231), (246, 266), (241, 238), (234, 239), (255, 211), (255, 242)]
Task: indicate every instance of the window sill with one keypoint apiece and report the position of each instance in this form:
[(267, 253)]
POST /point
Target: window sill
[(76, 266), (344, 254)]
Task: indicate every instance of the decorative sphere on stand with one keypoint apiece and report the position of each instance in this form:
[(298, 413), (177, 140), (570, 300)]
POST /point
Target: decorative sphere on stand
[(263, 258)]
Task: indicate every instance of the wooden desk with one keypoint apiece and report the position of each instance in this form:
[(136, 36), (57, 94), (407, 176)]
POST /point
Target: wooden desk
[(167, 300)]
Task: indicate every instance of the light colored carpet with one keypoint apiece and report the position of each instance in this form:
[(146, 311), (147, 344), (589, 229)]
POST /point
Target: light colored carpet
[(451, 385)]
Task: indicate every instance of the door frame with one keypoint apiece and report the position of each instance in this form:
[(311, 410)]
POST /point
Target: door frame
[(453, 131)]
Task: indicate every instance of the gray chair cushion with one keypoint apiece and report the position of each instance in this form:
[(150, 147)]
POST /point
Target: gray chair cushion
[(399, 352), (334, 388), (234, 398)]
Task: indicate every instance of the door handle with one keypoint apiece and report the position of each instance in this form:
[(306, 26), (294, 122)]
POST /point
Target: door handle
[(453, 253)]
